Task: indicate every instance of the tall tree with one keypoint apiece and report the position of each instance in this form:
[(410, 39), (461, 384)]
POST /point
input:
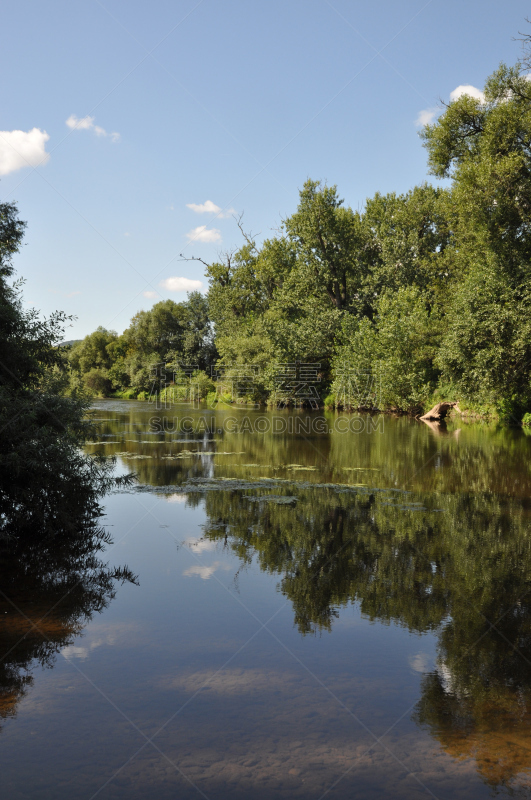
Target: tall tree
[(484, 146), (329, 243)]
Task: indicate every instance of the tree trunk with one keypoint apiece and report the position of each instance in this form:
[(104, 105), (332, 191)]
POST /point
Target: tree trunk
[(439, 411)]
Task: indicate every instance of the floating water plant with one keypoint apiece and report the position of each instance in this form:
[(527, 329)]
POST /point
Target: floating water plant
[(280, 500)]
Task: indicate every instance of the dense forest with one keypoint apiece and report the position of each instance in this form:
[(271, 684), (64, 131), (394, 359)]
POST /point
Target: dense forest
[(428, 292)]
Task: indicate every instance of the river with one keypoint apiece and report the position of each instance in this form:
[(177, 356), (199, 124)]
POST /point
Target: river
[(325, 605)]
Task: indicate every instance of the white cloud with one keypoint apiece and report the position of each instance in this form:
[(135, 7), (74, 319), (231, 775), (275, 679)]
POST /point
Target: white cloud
[(110, 635), (426, 116), (204, 234), (151, 295), (87, 124), (210, 208), (204, 208), (84, 124), (420, 662), (176, 284), (205, 572), (200, 545), (471, 91), (176, 498), (20, 149), (71, 651)]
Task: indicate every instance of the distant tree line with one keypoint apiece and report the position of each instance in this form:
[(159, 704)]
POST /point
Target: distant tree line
[(170, 334), (429, 290)]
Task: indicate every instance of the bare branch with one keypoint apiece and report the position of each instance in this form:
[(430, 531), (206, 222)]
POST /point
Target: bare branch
[(525, 40), (249, 237), (193, 258)]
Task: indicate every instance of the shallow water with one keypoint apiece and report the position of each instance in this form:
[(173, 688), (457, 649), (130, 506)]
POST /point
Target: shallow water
[(341, 609)]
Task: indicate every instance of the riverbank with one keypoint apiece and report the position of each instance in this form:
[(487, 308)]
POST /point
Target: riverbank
[(465, 410)]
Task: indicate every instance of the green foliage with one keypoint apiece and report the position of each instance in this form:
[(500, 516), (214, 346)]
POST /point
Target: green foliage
[(168, 335), (126, 394), (98, 382), (284, 302), (430, 290), (11, 234), (173, 330), (483, 146), (47, 486), (330, 401), (408, 242), (191, 388), (397, 348), (202, 384), (93, 352), (328, 240), (303, 295)]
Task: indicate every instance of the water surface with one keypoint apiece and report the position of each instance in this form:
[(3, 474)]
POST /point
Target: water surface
[(341, 609)]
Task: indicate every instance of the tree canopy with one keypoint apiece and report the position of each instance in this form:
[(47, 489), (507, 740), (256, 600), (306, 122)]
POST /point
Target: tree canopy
[(429, 290)]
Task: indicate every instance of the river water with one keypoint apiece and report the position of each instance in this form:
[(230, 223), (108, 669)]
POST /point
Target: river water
[(325, 606)]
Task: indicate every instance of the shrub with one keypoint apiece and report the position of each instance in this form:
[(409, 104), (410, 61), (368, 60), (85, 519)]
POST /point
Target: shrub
[(98, 382)]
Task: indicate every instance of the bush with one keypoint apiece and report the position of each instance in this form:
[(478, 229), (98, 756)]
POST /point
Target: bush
[(98, 382), (330, 401), (202, 385), (125, 394)]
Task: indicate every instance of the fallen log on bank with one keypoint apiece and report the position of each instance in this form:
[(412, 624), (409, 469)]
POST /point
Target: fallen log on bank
[(438, 412)]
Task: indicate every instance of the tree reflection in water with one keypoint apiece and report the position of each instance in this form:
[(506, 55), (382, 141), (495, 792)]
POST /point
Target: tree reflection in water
[(462, 570), (478, 702), (49, 590)]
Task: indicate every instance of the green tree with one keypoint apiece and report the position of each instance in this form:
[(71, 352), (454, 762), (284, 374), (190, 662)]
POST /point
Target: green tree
[(47, 485), (295, 297), (483, 146), (397, 348), (93, 351), (170, 333), (409, 243), (329, 243), (172, 329), (285, 300), (91, 360)]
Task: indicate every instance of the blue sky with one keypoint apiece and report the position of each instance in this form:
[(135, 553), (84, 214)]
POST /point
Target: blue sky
[(149, 110)]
